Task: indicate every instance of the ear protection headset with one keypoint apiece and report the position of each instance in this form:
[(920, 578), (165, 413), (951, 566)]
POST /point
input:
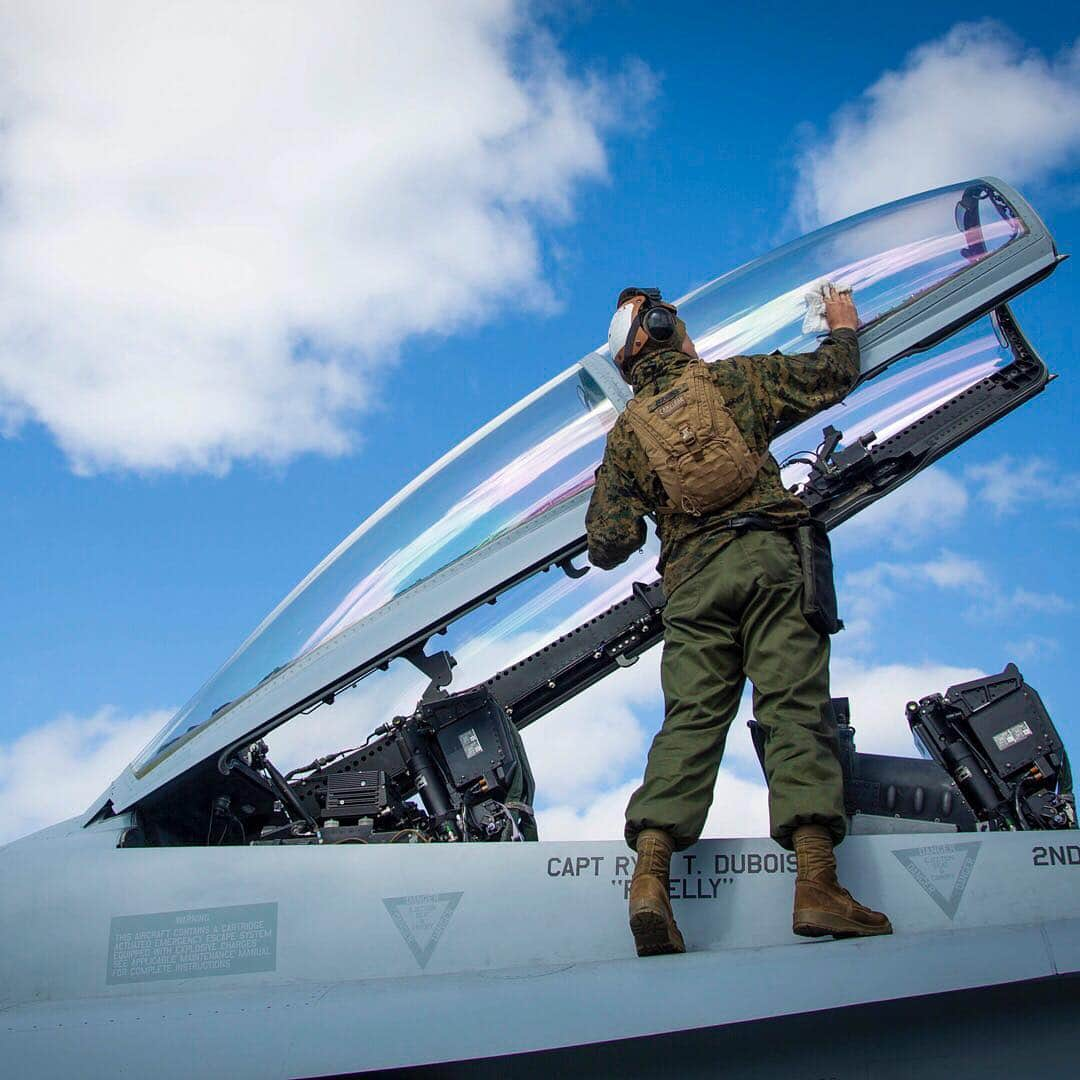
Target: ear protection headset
[(642, 316)]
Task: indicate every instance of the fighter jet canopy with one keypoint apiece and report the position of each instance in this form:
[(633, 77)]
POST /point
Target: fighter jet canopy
[(509, 500)]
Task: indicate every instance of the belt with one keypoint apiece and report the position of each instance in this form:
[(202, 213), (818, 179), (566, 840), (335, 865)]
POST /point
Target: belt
[(748, 522)]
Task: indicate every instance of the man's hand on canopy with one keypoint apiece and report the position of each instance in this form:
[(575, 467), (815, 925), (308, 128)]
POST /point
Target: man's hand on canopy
[(840, 311)]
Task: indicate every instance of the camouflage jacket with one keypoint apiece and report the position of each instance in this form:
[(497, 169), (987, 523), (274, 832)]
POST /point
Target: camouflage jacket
[(761, 392)]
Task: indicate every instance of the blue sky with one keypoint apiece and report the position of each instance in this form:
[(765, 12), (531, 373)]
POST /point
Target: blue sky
[(406, 291)]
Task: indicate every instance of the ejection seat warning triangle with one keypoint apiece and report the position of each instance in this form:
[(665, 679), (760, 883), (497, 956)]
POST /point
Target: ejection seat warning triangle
[(943, 870), (421, 920)]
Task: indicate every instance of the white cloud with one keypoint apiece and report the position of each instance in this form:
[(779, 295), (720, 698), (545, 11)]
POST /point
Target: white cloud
[(220, 221), (1025, 602), (970, 103), (951, 571), (926, 505), (56, 770), (740, 808), (948, 570), (600, 818), (865, 594), (1009, 484), (879, 692), (1033, 647)]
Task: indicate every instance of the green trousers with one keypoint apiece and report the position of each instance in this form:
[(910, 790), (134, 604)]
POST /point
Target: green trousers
[(740, 616)]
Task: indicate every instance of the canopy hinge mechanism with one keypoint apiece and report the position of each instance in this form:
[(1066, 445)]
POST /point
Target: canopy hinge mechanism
[(438, 667)]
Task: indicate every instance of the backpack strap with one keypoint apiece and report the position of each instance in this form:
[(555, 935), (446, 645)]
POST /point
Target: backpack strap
[(642, 426), (702, 372)]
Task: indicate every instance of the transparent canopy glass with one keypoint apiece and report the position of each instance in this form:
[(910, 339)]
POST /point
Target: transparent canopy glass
[(543, 451), (531, 459), (889, 257)]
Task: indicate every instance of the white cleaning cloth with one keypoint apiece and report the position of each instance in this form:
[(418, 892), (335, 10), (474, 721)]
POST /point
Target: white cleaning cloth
[(814, 322)]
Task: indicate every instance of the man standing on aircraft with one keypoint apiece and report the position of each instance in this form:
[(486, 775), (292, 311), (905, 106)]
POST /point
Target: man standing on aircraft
[(691, 449)]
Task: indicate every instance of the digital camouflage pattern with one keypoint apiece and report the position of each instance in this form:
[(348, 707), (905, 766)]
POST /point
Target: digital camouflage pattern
[(761, 392)]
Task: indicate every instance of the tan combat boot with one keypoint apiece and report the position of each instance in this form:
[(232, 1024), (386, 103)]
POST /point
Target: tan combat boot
[(651, 919), (822, 905)]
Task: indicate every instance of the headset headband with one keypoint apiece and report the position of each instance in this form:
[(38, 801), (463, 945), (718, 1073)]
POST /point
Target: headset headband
[(633, 290)]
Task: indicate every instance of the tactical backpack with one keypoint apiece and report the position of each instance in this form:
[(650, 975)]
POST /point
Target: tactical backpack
[(692, 441)]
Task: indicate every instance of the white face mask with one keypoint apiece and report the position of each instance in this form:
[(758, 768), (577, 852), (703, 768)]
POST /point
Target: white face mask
[(619, 329)]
